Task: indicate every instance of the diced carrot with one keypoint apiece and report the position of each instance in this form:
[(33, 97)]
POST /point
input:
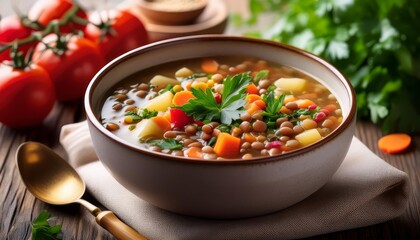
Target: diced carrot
[(182, 97), (227, 145), (162, 122), (252, 108), (200, 85), (247, 137), (260, 103), (209, 66), (289, 98), (193, 152), (285, 110), (252, 89), (394, 143), (252, 98), (304, 103)]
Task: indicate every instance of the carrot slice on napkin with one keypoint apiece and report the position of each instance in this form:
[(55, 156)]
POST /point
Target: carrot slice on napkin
[(394, 143)]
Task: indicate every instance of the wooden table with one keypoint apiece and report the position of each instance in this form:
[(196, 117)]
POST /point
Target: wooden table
[(19, 207)]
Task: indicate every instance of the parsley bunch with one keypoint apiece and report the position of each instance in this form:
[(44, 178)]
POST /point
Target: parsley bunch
[(42, 230), (375, 43), (205, 107)]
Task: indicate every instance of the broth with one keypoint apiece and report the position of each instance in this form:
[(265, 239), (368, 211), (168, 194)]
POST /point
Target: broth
[(221, 107)]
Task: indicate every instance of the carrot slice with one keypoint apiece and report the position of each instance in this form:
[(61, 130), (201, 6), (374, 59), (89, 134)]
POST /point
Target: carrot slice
[(198, 85), (260, 103), (209, 66), (252, 108), (247, 137), (304, 103), (162, 122), (394, 143), (182, 97), (252, 98), (285, 110), (252, 89), (194, 152)]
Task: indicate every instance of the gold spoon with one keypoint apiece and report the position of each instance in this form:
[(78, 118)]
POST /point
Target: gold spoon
[(52, 180)]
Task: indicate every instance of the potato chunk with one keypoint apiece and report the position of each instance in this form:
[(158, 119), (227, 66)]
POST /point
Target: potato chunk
[(161, 82), (160, 103), (148, 128), (308, 137), (291, 84)]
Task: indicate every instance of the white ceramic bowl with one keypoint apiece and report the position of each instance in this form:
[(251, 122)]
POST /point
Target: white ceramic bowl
[(223, 188)]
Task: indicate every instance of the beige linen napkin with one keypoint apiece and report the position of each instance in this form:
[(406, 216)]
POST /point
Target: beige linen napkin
[(365, 190)]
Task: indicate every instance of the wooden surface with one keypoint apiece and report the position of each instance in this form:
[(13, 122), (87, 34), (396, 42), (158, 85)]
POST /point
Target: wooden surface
[(19, 208)]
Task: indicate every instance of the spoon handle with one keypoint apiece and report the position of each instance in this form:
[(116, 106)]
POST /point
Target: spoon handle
[(116, 227)]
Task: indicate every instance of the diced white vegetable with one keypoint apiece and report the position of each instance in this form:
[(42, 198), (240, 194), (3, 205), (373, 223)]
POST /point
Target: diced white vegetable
[(308, 137), (160, 103), (148, 128), (183, 73), (161, 82), (291, 84)]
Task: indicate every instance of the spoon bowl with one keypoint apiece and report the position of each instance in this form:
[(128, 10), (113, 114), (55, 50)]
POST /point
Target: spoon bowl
[(51, 179)]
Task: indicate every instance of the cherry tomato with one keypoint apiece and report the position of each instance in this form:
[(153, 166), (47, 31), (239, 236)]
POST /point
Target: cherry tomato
[(11, 28), (47, 10), (71, 71), (126, 33), (27, 96)]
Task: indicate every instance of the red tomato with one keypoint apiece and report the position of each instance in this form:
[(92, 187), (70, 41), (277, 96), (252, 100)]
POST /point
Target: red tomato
[(47, 10), (179, 118), (72, 71), (127, 32), (27, 96), (11, 28)]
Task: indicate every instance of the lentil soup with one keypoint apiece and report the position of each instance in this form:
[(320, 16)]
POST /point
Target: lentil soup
[(221, 107)]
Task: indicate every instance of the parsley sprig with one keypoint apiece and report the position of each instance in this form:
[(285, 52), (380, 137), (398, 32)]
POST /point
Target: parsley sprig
[(42, 230), (204, 105), (272, 111), (169, 143)]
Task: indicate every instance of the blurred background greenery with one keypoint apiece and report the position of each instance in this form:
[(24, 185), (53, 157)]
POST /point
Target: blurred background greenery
[(375, 43)]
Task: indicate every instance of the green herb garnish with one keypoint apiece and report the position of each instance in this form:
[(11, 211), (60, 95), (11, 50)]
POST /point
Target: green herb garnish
[(167, 88), (204, 106), (42, 230), (224, 128), (146, 113), (170, 144), (135, 117), (261, 75), (273, 106), (300, 112)]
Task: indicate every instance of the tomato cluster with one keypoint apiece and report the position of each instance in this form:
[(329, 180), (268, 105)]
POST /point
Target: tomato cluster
[(53, 54)]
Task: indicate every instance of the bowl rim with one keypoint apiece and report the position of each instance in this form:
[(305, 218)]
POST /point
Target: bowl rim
[(90, 115)]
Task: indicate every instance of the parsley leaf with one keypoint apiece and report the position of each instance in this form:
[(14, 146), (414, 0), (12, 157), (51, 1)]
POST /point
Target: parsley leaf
[(42, 230), (205, 107), (146, 113), (169, 143), (260, 75), (272, 110)]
